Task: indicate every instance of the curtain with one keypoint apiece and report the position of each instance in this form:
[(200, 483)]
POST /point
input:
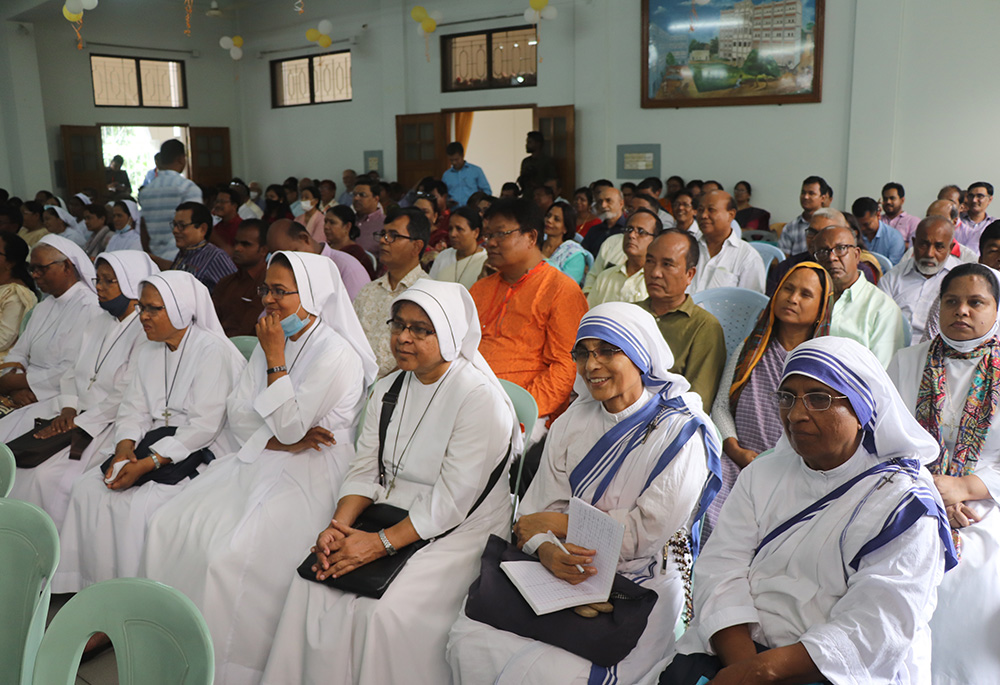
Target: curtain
[(463, 127)]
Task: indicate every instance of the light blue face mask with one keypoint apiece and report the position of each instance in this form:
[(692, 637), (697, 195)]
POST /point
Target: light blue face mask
[(292, 324)]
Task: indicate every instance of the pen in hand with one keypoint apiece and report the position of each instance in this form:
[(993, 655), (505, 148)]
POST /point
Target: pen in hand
[(555, 541)]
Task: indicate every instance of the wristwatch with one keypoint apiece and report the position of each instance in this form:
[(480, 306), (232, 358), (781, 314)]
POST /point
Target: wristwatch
[(385, 542)]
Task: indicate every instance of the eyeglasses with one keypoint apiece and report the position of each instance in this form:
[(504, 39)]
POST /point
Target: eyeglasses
[(263, 291), (418, 331), (98, 282), (813, 401), (392, 236), (839, 250), (150, 309), (604, 354), (180, 226), (976, 196), (629, 230), (35, 269), (499, 235)]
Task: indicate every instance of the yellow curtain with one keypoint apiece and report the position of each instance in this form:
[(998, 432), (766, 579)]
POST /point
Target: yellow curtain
[(463, 127)]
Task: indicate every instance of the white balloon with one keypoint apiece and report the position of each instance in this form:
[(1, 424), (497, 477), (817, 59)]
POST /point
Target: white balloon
[(88, 4), (420, 30), (226, 43), (550, 12), (74, 6), (532, 16), (235, 52), (325, 27), (436, 15)]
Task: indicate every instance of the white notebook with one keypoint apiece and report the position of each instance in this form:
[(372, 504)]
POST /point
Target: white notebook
[(588, 527)]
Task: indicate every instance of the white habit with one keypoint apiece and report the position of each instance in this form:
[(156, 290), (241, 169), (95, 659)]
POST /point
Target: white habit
[(105, 530), (967, 619), (915, 293)]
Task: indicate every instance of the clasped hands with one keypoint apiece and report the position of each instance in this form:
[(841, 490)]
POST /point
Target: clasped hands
[(955, 492), (132, 471), (340, 549)]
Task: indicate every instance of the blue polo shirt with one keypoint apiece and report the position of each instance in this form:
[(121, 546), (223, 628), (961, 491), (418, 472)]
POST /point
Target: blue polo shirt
[(465, 181), (888, 242)]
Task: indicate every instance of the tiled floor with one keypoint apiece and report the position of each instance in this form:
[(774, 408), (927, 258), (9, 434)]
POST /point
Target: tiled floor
[(102, 670)]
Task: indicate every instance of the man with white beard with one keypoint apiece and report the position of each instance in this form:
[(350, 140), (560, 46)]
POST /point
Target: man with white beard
[(607, 253), (915, 282)]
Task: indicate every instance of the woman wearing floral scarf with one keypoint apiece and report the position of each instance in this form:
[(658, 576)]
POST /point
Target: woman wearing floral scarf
[(952, 384)]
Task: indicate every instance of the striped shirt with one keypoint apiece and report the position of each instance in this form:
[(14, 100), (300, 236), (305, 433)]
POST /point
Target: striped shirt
[(206, 262), (158, 201)]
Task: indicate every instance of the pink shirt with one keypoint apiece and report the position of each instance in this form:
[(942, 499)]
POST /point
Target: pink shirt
[(352, 273), (369, 225), (314, 226), (905, 223)]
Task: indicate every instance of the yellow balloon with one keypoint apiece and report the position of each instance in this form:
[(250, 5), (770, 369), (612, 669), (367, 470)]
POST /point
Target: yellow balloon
[(538, 5), (238, 41), (325, 41), (70, 16), (418, 13), (429, 25), (312, 35)]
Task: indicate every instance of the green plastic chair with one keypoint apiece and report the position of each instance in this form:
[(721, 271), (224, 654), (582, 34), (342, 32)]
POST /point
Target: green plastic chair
[(527, 413), (30, 553), (245, 344), (160, 638), (8, 467), (24, 320)]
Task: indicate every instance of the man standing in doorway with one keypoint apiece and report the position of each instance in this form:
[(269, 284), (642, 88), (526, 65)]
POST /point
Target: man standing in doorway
[(462, 178), (537, 167), (161, 197)]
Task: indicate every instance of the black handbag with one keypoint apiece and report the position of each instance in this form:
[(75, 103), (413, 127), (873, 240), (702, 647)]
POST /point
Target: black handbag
[(374, 578), (168, 474), (604, 640), (30, 451)]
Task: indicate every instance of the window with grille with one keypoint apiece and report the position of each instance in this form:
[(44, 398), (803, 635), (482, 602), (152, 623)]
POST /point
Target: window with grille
[(311, 80), (134, 82), (504, 58)]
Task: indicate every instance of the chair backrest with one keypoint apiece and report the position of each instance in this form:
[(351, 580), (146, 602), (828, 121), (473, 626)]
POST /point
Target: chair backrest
[(8, 467), (907, 332), (30, 553), (736, 309), (24, 321), (158, 634), (778, 227), (883, 262), (768, 253), (245, 344), (524, 406)]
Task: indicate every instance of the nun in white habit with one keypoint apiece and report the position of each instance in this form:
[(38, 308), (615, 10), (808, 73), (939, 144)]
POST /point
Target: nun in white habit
[(452, 428), (232, 540), (951, 384), (184, 373), (829, 549), (657, 486), (48, 347), (91, 391)]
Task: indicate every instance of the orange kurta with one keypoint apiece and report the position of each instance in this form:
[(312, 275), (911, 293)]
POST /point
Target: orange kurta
[(529, 329)]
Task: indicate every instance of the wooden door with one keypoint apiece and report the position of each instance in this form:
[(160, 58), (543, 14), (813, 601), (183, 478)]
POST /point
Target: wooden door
[(83, 159), (420, 143), (209, 163), (558, 126)]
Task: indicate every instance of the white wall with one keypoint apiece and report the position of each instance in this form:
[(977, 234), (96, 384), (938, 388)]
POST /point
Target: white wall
[(908, 89), (493, 144)]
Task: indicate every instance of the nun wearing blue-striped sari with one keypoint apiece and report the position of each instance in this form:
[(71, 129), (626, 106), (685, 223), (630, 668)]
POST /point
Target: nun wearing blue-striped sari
[(826, 559), (636, 445)]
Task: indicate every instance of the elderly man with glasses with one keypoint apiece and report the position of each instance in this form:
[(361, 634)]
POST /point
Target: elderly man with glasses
[(529, 310), (400, 243), (861, 312)]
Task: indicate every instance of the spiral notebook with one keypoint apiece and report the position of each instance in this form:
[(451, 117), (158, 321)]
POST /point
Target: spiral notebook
[(588, 527)]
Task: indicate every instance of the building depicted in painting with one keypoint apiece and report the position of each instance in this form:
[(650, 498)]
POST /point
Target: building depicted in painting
[(773, 29)]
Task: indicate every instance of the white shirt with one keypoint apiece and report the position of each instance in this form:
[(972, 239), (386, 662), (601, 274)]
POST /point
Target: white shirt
[(914, 292), (737, 265), (609, 255), (864, 626), (49, 345), (616, 285), (250, 210)]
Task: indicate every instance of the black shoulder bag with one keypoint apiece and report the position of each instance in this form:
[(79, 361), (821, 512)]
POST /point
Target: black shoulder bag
[(168, 474), (374, 578), (30, 451)]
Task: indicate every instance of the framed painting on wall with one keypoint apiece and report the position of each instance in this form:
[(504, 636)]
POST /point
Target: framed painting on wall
[(705, 53)]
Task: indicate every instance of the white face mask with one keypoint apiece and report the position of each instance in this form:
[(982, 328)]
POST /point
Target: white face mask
[(254, 194), (306, 205), (966, 346)]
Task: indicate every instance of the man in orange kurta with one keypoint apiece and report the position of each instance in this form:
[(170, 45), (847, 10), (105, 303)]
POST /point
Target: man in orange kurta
[(529, 310)]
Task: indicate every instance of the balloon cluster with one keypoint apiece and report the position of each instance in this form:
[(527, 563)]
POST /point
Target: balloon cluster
[(234, 45), (321, 34), (539, 10), (428, 21), (73, 9)]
